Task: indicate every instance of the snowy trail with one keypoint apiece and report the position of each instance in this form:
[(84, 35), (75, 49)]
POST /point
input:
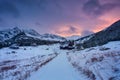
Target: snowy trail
[(58, 69)]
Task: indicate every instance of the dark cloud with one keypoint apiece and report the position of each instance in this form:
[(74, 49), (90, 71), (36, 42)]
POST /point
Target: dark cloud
[(51, 15), (72, 29), (94, 8), (38, 24), (68, 31), (86, 32), (7, 7)]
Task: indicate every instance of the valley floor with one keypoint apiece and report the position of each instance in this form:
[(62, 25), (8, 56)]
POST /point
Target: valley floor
[(51, 63)]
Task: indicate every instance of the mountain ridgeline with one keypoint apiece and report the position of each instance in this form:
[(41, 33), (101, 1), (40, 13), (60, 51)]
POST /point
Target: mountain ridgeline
[(21, 37), (112, 33), (30, 37)]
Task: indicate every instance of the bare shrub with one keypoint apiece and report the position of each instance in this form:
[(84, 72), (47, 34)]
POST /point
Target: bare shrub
[(5, 68), (16, 73), (94, 59), (13, 52), (21, 72), (89, 73)]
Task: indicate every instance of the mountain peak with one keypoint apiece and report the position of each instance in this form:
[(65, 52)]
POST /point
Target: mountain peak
[(117, 23), (31, 32), (114, 26), (16, 28)]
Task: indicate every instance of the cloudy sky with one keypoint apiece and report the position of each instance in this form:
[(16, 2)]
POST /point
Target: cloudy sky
[(62, 17)]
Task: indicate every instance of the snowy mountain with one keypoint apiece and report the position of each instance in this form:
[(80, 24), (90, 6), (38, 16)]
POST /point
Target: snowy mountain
[(26, 37), (74, 37), (31, 32), (47, 36), (112, 33), (9, 33), (52, 37)]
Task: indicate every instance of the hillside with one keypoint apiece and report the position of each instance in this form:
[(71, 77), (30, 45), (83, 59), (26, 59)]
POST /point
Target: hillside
[(98, 63), (112, 33)]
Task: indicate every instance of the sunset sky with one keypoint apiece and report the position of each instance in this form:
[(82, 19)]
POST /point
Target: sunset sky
[(61, 17)]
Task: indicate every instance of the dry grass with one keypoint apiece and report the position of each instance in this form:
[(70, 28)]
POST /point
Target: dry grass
[(96, 59), (20, 72)]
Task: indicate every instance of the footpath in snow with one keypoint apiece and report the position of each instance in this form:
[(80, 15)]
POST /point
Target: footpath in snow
[(58, 69)]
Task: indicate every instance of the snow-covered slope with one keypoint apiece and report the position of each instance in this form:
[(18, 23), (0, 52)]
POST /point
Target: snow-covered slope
[(47, 36), (9, 33), (31, 32), (83, 39), (98, 63), (74, 37), (19, 64)]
